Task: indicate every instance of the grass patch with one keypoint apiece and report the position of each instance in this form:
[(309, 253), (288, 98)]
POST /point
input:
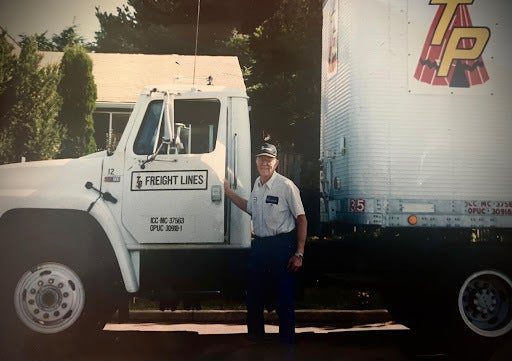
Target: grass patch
[(339, 299), (312, 298)]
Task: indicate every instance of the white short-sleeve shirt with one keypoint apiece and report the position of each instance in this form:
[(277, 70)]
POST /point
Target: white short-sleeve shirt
[(274, 206)]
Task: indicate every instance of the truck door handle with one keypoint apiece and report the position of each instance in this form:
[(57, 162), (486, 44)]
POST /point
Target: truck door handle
[(106, 195)]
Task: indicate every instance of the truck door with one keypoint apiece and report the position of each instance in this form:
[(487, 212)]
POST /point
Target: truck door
[(173, 191)]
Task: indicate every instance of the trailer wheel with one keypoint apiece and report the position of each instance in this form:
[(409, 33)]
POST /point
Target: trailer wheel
[(485, 303)]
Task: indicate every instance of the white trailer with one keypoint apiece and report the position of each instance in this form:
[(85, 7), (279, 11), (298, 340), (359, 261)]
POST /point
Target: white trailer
[(416, 122)]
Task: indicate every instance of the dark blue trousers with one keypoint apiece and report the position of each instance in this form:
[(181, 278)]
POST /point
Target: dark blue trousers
[(271, 284)]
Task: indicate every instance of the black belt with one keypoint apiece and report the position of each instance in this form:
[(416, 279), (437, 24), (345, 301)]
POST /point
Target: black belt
[(278, 236)]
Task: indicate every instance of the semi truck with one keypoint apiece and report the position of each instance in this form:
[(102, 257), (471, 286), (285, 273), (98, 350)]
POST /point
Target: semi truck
[(415, 184), (416, 120)]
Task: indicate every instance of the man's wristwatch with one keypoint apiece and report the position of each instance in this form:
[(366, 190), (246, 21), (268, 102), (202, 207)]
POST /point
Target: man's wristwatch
[(298, 254)]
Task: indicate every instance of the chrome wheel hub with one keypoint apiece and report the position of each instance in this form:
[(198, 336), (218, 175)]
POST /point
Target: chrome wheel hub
[(485, 303), (49, 298)]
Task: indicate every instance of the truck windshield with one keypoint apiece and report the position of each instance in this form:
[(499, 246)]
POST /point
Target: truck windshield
[(196, 124)]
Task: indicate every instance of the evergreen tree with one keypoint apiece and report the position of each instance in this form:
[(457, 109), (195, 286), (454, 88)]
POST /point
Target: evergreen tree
[(239, 45), (58, 42), (30, 108), (69, 36), (285, 82), (169, 26), (42, 41), (7, 69), (78, 92), (118, 33)]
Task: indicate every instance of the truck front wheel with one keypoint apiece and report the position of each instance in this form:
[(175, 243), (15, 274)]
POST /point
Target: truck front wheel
[(59, 285), (57, 294), (49, 298)]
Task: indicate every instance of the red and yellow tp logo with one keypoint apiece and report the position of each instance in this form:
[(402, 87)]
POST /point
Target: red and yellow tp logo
[(452, 53)]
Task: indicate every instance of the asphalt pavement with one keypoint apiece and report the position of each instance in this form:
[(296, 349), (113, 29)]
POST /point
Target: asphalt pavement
[(380, 337), (337, 335)]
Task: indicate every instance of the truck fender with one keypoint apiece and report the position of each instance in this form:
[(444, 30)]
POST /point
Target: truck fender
[(104, 217)]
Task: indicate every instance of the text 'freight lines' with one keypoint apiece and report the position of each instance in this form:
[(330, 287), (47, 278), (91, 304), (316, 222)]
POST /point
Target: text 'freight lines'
[(169, 180)]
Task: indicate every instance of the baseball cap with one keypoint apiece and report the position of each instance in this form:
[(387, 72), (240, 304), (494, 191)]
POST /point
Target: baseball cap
[(268, 150)]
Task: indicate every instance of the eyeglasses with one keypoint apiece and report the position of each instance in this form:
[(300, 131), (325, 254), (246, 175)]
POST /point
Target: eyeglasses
[(263, 160)]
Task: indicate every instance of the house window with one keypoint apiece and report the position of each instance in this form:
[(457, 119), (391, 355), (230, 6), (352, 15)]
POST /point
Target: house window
[(108, 127)]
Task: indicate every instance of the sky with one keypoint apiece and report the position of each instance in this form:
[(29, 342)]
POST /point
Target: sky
[(36, 16)]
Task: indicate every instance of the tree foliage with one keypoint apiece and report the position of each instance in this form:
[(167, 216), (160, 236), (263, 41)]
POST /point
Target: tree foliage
[(68, 37), (118, 33), (78, 92), (30, 104), (7, 70), (7, 64), (43, 42), (169, 26), (58, 42), (246, 13), (285, 81), (239, 45)]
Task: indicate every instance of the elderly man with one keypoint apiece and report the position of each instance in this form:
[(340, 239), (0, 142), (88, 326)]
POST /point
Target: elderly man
[(280, 228)]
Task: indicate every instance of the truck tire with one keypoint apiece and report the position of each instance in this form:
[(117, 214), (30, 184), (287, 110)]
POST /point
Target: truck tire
[(57, 287), (485, 303), (49, 298), (464, 303)]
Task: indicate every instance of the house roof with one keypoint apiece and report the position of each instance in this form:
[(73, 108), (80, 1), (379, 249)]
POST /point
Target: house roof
[(121, 77)]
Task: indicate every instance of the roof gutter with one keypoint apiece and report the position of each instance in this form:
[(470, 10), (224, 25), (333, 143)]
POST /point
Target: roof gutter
[(113, 105)]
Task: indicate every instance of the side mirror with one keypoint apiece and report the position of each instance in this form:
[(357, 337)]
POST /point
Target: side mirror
[(152, 157), (168, 114), (182, 140)]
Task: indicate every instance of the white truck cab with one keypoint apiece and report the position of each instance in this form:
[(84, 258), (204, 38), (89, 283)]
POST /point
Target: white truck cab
[(174, 157), (152, 209)]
